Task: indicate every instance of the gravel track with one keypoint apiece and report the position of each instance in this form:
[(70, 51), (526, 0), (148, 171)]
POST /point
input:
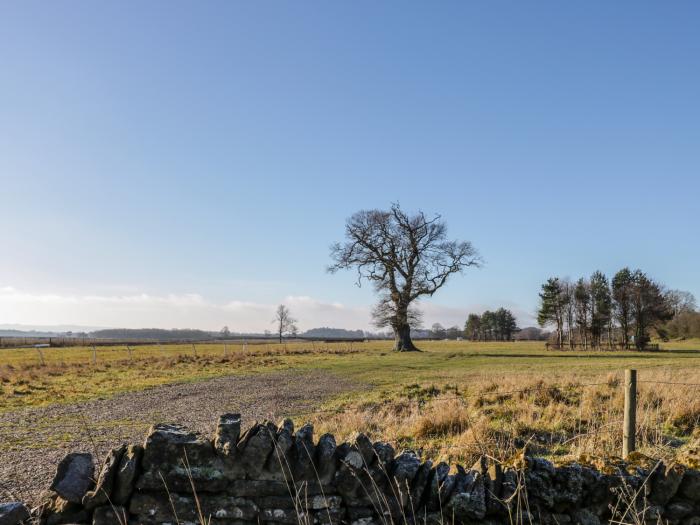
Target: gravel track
[(33, 441)]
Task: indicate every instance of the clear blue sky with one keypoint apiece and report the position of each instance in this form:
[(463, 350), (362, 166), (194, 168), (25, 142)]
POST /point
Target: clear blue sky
[(186, 164)]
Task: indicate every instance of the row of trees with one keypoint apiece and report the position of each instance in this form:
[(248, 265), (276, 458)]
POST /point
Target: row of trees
[(491, 326), (499, 325), (596, 312)]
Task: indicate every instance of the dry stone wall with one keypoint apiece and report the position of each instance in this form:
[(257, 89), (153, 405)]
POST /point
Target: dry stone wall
[(274, 474)]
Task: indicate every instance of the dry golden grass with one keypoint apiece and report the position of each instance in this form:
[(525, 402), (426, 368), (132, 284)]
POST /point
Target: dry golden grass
[(70, 375), (566, 420)]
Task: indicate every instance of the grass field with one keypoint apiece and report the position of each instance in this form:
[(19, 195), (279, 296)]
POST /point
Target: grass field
[(70, 375), (454, 399)]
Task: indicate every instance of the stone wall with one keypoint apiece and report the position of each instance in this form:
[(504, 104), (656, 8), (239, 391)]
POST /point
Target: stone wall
[(272, 474)]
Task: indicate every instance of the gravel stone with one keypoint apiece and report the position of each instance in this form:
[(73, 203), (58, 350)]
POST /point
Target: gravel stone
[(33, 441)]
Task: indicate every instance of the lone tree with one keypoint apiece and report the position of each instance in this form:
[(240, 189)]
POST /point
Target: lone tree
[(405, 257), (284, 321)]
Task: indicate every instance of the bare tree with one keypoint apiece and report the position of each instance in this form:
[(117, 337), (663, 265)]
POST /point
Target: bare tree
[(405, 257), (284, 321), (582, 298), (438, 331), (680, 301), (568, 289)]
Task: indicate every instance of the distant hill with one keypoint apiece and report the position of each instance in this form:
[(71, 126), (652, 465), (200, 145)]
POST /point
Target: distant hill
[(28, 333), (22, 330), (334, 333), (531, 333)]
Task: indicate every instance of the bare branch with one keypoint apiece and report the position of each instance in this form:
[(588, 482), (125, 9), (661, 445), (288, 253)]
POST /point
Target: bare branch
[(404, 256), (286, 324)]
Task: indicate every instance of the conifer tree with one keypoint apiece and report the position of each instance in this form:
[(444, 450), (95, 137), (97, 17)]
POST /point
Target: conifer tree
[(552, 305)]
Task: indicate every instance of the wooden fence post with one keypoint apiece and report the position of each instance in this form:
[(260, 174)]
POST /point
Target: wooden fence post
[(630, 422), (194, 348), (225, 350), (129, 349), (94, 355)]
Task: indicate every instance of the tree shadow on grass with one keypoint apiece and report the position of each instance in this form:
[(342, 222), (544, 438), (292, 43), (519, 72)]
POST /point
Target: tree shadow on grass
[(635, 355)]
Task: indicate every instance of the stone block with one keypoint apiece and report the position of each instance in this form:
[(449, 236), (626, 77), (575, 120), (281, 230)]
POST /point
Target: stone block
[(74, 477)]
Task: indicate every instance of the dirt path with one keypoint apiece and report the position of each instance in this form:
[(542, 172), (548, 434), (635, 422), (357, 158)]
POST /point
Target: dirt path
[(33, 441)]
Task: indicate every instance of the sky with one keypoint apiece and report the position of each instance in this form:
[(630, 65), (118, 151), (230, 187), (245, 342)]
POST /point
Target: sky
[(188, 164)]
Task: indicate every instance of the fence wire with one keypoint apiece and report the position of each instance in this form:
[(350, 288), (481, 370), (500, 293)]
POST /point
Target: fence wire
[(608, 427)]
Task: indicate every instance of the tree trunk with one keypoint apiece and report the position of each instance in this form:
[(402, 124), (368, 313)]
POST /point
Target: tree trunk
[(560, 331), (624, 325), (570, 330), (402, 339)]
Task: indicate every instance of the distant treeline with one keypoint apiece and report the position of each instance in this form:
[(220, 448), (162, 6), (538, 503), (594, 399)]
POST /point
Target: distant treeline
[(158, 334), (28, 333), (154, 334), (334, 333)]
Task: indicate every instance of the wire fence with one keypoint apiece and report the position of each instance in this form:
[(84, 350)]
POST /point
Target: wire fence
[(41, 355), (603, 427), (613, 417)]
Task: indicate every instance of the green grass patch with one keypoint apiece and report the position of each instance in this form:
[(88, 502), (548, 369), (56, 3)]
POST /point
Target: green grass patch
[(70, 374)]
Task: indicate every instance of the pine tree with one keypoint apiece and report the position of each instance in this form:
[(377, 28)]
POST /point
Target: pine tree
[(472, 328), (582, 299), (622, 293), (649, 307), (601, 305), (552, 304)]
